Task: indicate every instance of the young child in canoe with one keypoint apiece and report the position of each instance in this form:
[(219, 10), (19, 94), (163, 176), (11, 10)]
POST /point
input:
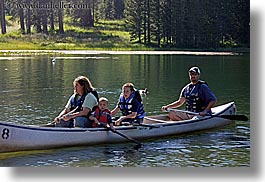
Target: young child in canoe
[(102, 114)]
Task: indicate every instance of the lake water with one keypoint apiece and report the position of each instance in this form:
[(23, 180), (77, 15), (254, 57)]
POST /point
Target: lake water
[(33, 90)]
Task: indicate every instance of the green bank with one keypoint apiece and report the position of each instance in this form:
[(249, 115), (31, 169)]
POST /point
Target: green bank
[(105, 35)]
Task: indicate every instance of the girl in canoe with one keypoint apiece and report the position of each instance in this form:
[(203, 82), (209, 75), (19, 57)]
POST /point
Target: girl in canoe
[(130, 104), (79, 106)]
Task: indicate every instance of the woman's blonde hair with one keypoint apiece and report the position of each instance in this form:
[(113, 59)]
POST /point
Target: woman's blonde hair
[(84, 81)]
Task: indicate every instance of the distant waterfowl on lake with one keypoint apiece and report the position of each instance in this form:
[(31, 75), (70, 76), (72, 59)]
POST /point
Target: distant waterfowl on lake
[(143, 91), (54, 60)]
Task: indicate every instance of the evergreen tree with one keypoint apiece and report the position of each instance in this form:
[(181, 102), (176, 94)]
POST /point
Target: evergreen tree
[(189, 23), (160, 23), (134, 19)]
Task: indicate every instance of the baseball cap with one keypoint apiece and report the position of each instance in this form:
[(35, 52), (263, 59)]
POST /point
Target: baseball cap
[(195, 70)]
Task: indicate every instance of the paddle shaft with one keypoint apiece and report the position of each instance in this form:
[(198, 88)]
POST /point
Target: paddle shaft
[(231, 117), (122, 135), (127, 137)]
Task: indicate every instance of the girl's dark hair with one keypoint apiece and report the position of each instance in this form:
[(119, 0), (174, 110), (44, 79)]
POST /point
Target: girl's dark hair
[(132, 88), (130, 85)]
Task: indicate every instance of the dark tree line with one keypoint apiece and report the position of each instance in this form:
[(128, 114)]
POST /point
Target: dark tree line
[(189, 23), (43, 15), (159, 23)]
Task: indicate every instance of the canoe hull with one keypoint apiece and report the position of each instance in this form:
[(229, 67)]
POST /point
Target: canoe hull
[(14, 137)]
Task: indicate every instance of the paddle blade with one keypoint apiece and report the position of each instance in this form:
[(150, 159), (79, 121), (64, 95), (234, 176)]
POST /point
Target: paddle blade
[(235, 117)]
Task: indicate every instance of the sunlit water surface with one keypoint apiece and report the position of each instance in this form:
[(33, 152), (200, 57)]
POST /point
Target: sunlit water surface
[(33, 90)]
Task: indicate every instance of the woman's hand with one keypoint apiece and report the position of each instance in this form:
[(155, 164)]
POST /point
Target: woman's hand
[(67, 117), (57, 119)]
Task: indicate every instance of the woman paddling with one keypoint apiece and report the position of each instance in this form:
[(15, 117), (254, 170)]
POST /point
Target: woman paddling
[(79, 106)]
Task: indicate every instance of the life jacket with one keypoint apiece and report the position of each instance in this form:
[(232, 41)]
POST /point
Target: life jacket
[(102, 116), (193, 101), (95, 93), (79, 103), (125, 105)]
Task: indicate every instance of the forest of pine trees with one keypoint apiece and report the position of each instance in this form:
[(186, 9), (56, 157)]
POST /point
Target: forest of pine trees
[(155, 23)]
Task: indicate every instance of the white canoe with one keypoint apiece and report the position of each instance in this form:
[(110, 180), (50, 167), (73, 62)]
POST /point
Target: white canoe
[(17, 137)]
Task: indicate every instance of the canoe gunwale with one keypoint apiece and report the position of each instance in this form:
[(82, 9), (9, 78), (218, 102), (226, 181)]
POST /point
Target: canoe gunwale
[(160, 123)]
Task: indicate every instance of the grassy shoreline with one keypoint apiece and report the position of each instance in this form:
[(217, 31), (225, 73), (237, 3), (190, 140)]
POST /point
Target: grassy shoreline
[(111, 52), (105, 36)]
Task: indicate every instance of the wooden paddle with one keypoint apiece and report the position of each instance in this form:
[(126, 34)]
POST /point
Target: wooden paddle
[(230, 117), (139, 144)]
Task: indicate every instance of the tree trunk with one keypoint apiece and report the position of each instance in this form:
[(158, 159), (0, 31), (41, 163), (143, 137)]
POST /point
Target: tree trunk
[(21, 19), (60, 19), (158, 37), (44, 23), (144, 27), (148, 22), (90, 18), (37, 23), (28, 18), (2, 16), (52, 20)]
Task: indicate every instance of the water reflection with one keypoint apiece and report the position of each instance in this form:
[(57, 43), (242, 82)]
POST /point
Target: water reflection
[(211, 149)]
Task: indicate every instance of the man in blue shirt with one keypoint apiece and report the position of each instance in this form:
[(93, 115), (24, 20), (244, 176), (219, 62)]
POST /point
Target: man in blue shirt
[(196, 95)]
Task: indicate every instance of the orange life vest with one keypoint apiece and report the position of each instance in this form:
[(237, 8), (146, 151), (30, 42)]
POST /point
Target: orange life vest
[(102, 116)]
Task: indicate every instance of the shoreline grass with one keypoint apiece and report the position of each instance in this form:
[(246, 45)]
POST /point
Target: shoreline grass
[(106, 35)]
